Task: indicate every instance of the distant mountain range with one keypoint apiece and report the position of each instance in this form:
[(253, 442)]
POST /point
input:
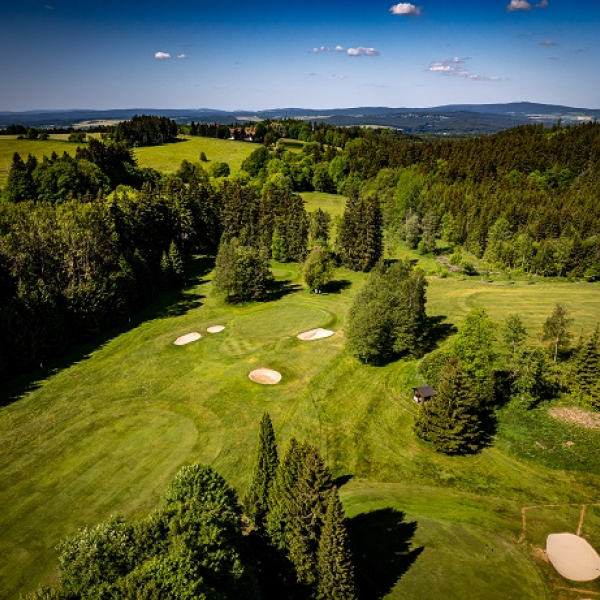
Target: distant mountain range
[(450, 120)]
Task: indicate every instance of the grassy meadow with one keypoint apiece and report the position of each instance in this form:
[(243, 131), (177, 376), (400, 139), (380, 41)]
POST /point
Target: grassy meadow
[(105, 433), (165, 158), (39, 148), (168, 158)]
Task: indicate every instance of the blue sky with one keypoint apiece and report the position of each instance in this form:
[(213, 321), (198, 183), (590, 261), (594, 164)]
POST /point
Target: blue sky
[(60, 54)]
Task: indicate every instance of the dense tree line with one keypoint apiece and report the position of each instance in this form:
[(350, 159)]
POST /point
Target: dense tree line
[(144, 130), (524, 198), (71, 269)]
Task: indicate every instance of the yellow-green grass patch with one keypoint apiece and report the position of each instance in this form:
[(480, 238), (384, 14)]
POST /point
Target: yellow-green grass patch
[(38, 148), (334, 204), (168, 158)]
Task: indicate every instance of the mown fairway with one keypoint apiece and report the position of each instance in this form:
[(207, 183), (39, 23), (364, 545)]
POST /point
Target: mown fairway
[(105, 434), (168, 158)]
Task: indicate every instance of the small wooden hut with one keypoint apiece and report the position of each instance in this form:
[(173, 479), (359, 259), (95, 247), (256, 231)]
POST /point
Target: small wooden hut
[(423, 393)]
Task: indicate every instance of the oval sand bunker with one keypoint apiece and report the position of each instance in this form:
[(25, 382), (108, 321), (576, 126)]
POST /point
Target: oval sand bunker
[(265, 376), (573, 557), (215, 328), (186, 339), (315, 334)]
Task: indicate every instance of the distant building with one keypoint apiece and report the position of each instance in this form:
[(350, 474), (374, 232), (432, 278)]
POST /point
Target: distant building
[(423, 393)]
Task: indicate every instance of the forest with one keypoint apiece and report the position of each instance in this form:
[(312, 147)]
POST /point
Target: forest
[(87, 240)]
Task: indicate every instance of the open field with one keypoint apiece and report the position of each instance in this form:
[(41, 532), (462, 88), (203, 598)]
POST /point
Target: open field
[(10, 144), (331, 203), (168, 158), (164, 158), (105, 434)]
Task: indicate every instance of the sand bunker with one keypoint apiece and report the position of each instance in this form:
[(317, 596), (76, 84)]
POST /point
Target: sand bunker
[(215, 329), (573, 557), (265, 376), (186, 339), (315, 334)]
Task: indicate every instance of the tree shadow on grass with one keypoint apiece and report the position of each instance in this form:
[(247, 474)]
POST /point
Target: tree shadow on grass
[(280, 289), (171, 303), (381, 544), (437, 331), (337, 286)]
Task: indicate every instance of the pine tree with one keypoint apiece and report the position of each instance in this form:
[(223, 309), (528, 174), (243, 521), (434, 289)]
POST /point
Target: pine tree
[(585, 373), (306, 513), (334, 559), (450, 419), (277, 521), (265, 469)]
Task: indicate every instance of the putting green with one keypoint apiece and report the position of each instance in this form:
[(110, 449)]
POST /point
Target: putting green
[(279, 321)]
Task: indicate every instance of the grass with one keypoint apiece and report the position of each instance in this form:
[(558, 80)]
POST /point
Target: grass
[(164, 158), (39, 148), (105, 434), (168, 158), (331, 203)]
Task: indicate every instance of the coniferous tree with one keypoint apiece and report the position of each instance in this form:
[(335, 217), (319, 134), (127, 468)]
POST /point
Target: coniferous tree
[(256, 502), (585, 373), (334, 559), (306, 513), (387, 316), (320, 225), (277, 521), (450, 420)]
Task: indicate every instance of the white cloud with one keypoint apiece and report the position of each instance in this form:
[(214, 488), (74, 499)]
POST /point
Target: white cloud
[(360, 51), (518, 5), (542, 4), (181, 56), (453, 66), (548, 43), (161, 55), (405, 8)]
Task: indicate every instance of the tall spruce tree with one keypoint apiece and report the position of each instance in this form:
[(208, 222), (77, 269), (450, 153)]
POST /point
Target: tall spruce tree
[(277, 521), (360, 236), (585, 373), (265, 469), (450, 420), (334, 559), (306, 513)]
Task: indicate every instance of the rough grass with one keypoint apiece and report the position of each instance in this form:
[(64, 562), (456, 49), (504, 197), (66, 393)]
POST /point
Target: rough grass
[(168, 158), (331, 203)]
